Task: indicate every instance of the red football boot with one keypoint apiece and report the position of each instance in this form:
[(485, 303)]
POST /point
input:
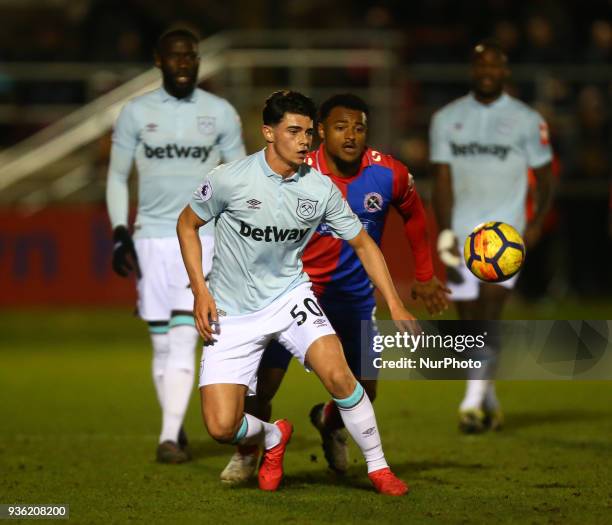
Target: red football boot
[(271, 468), (386, 482)]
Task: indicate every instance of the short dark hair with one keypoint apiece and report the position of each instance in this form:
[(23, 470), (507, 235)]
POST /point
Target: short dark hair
[(281, 102), (176, 32), (345, 100), (489, 43)]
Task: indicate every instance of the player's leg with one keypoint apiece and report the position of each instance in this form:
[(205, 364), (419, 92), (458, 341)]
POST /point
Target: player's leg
[(272, 369), (465, 292), (309, 336), (326, 358), (493, 298), (178, 376), (234, 359), (475, 415), (325, 416), (153, 306), (182, 339), (226, 422), (158, 331)]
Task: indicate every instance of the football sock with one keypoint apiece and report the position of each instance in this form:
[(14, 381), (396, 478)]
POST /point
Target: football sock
[(254, 431), (358, 415), (332, 420), (178, 378), (474, 394), (161, 348), (177, 386)]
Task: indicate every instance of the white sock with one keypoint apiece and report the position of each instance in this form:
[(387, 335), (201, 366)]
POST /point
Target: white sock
[(161, 348), (178, 379), (254, 431), (359, 419), (177, 385), (474, 394)]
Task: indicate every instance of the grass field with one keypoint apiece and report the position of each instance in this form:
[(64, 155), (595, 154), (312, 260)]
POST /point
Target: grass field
[(79, 424)]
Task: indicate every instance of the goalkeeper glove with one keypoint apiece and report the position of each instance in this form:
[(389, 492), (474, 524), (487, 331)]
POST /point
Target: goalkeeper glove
[(125, 259)]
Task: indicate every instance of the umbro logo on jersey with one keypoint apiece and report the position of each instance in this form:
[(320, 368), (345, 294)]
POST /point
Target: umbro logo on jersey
[(174, 151), (151, 127), (254, 204), (474, 148), (272, 233), (320, 322)]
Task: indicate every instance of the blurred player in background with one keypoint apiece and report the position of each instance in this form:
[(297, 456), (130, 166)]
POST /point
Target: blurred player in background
[(372, 183), (482, 146), (177, 134), (266, 208)]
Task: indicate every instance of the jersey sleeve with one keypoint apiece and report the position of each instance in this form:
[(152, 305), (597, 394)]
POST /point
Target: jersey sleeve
[(439, 145), (339, 216), (125, 131), (210, 198), (537, 142), (125, 141), (409, 205), (231, 143)]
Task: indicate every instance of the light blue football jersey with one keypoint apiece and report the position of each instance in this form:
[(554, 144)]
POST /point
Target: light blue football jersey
[(489, 149), (175, 142), (263, 223)]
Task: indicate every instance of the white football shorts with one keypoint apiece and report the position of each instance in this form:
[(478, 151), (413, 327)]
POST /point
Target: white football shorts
[(164, 285), (469, 289), (296, 320)]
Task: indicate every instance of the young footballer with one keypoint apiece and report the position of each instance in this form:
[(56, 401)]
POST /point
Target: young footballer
[(372, 183), (266, 208)]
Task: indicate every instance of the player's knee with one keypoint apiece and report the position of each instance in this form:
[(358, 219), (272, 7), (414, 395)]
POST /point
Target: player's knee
[(340, 383), (222, 431)]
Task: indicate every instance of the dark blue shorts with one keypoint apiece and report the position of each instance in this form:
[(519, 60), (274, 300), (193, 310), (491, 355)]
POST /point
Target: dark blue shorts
[(355, 328)]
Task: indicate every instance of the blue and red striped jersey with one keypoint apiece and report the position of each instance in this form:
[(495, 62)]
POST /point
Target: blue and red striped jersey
[(382, 181)]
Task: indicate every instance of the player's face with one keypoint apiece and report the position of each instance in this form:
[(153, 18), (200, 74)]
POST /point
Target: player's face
[(344, 133), (290, 139), (179, 62), (489, 72)]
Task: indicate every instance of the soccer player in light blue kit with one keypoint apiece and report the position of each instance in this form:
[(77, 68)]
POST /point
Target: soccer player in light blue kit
[(176, 134), (266, 208), (482, 146)]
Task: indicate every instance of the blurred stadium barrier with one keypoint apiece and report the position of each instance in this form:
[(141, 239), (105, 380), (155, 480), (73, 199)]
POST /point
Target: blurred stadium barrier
[(65, 163)]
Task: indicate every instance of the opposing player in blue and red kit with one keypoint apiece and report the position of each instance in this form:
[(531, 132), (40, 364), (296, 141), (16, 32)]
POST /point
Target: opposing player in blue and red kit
[(371, 182)]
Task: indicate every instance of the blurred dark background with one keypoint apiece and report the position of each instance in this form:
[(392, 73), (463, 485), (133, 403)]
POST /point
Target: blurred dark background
[(58, 56)]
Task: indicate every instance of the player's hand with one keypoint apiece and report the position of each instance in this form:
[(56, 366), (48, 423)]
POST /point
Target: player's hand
[(433, 294), (532, 235), (206, 317), (448, 251), (125, 259), (404, 320)]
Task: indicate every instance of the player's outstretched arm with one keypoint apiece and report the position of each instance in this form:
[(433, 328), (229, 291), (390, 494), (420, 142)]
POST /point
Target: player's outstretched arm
[(427, 287), (374, 263), (204, 308), (544, 198)]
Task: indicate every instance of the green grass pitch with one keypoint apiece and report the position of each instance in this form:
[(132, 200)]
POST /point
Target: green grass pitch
[(79, 421)]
